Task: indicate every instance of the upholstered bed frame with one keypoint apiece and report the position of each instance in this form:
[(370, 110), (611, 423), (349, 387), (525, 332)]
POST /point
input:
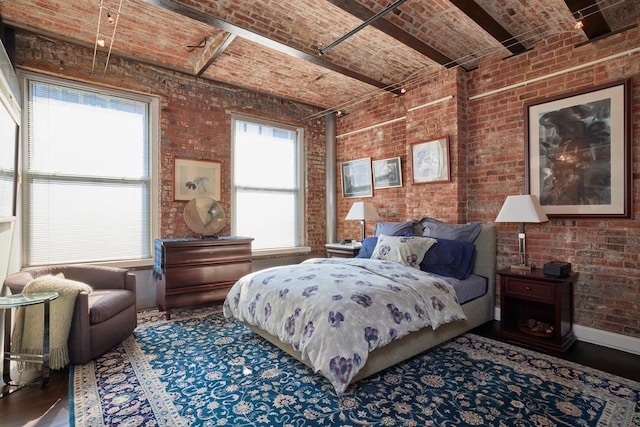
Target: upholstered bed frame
[(478, 311)]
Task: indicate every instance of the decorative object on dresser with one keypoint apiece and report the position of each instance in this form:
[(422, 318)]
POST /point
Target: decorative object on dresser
[(522, 208), (537, 309), (363, 211), (343, 249), (204, 216), (196, 271)]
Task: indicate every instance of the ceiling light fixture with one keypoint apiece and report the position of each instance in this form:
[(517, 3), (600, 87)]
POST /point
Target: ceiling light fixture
[(388, 9), (579, 21)]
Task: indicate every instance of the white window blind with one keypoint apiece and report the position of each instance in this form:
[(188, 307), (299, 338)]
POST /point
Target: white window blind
[(87, 176), (267, 196)]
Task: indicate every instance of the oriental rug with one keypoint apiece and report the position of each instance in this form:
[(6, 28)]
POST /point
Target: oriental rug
[(200, 369)]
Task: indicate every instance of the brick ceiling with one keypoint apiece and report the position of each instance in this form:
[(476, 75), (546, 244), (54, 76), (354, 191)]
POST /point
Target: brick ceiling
[(272, 46)]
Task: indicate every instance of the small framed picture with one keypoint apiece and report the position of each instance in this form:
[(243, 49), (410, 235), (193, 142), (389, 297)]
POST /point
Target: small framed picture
[(430, 161), (356, 178), (387, 173), (196, 178)]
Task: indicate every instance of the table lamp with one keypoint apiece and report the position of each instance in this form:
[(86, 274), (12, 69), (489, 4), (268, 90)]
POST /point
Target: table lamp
[(522, 209), (363, 211)]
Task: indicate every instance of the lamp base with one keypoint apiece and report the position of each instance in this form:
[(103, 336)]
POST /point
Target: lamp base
[(523, 267)]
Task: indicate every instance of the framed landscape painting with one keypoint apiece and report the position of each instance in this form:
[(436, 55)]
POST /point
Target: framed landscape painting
[(387, 173), (356, 178), (578, 152)]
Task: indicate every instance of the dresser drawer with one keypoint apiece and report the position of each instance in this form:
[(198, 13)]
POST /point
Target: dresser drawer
[(531, 290)]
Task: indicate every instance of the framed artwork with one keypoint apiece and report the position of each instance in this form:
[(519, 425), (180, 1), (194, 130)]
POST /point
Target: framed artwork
[(430, 161), (578, 152), (387, 173), (356, 178), (196, 178)]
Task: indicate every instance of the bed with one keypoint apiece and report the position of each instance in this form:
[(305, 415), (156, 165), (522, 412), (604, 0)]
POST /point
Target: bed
[(251, 302)]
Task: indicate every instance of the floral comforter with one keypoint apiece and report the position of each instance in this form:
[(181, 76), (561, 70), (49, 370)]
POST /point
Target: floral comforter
[(336, 310)]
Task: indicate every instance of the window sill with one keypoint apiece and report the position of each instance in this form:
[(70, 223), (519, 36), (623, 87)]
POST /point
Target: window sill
[(259, 253)]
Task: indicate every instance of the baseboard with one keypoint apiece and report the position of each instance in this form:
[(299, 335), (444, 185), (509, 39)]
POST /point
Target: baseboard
[(600, 337)]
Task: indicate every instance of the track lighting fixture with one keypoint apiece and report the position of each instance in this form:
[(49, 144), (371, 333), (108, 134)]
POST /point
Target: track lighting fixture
[(101, 41), (579, 21)]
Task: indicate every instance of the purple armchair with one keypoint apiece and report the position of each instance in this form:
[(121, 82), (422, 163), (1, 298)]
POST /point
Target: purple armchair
[(101, 319)]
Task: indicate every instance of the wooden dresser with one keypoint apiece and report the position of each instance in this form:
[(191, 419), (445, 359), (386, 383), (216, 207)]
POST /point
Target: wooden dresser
[(198, 271)]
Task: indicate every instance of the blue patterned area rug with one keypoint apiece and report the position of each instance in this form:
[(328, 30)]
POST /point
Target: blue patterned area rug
[(198, 369)]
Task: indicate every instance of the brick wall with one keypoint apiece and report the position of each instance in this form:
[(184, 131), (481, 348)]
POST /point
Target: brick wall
[(195, 121), (488, 163)]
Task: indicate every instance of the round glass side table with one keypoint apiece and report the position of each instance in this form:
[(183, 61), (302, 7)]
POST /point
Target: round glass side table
[(9, 304)]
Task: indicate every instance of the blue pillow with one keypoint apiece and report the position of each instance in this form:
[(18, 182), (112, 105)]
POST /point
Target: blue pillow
[(437, 229), (451, 258), (368, 245), (395, 228)]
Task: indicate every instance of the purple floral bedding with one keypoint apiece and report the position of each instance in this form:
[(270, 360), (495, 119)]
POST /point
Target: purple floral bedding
[(336, 310)]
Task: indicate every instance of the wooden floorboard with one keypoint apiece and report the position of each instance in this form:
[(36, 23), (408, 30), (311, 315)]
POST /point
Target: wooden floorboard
[(49, 406)]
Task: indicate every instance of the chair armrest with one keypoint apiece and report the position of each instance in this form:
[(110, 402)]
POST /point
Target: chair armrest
[(130, 282), (17, 281)]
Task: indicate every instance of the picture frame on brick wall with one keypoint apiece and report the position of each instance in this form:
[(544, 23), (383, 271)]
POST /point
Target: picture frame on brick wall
[(578, 152), (356, 178), (387, 173), (196, 178), (430, 161)]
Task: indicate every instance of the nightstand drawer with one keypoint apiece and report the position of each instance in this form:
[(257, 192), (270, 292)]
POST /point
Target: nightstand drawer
[(530, 290)]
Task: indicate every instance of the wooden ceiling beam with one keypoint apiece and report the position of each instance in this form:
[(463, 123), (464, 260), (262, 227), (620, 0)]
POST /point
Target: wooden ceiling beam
[(363, 13), (196, 15), (212, 50), (490, 25)]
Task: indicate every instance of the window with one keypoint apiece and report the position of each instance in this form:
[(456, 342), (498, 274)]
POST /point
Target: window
[(87, 192), (267, 181)]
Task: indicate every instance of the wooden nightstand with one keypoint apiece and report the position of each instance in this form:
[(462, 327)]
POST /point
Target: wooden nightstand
[(342, 250), (528, 295)]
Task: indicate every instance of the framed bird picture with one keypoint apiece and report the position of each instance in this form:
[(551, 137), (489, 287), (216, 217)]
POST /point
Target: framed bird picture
[(196, 178)]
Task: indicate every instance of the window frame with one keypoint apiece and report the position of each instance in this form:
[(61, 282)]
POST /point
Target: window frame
[(300, 177), (153, 131)]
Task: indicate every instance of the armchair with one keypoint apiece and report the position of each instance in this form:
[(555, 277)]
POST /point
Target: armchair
[(101, 319)]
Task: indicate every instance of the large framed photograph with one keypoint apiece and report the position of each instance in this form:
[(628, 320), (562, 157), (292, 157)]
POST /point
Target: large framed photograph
[(196, 178), (430, 161), (387, 173), (356, 178), (578, 152)]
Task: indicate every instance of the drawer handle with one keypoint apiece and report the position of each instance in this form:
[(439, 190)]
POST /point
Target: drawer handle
[(528, 288)]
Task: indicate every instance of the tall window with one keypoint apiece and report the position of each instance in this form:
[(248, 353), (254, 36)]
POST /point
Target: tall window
[(267, 182), (87, 188)]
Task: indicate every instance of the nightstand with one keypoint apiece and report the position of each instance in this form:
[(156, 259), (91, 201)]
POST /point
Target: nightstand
[(342, 250), (533, 295)]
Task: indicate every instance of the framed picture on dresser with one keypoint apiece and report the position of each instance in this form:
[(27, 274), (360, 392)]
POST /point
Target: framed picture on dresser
[(196, 178)]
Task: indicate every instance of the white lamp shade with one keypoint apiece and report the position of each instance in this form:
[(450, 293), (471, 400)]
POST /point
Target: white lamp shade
[(363, 211), (522, 208)]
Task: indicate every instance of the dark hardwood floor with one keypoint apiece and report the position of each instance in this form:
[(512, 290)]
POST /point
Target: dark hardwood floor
[(49, 406)]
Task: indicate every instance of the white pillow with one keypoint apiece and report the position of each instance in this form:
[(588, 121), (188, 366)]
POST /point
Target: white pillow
[(405, 250)]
